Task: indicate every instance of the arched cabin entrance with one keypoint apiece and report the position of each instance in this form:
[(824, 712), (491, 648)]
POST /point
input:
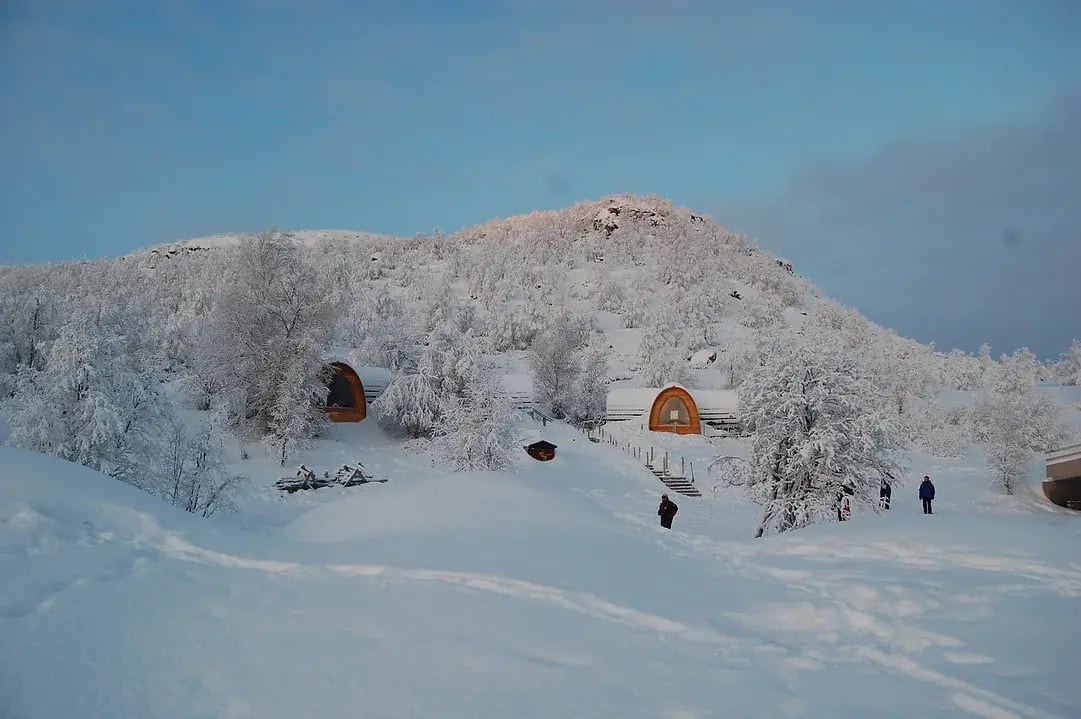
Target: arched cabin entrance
[(345, 395), (674, 410)]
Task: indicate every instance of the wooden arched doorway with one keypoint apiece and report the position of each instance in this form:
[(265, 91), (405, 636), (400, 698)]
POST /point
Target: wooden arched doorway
[(674, 410), (345, 395)]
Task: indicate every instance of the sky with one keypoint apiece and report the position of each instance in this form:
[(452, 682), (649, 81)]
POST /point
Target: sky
[(920, 161)]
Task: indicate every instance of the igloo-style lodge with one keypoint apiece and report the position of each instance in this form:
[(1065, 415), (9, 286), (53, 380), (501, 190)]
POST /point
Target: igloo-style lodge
[(676, 409)]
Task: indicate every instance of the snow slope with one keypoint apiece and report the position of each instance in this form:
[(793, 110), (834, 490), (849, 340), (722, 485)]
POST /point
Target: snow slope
[(550, 592)]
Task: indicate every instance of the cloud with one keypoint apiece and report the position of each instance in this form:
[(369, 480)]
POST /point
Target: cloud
[(960, 238)]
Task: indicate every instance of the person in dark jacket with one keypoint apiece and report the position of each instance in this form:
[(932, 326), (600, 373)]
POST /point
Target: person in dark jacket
[(667, 511), (884, 494), (927, 493)]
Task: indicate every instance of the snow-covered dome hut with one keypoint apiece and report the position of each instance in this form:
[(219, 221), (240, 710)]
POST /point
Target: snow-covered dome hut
[(345, 400), (675, 409)]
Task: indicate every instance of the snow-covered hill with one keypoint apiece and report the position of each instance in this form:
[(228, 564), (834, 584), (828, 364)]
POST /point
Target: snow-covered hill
[(549, 592), (543, 590)]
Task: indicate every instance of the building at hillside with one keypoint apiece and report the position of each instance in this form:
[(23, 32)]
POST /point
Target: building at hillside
[(1063, 483), (675, 409), (345, 400)]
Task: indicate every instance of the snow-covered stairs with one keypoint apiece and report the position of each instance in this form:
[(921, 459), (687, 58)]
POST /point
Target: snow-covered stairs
[(682, 485)]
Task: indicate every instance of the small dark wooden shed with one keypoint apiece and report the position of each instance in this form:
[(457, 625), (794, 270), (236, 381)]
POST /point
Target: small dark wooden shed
[(541, 451)]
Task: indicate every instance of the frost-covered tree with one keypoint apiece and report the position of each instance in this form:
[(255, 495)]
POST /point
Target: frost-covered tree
[(418, 398), (434, 304), (89, 404), (554, 367), (591, 394), (28, 323), (634, 312), (262, 349), (819, 433), (961, 370), (192, 472), (1014, 419), (374, 324), (293, 419), (409, 404), (661, 354), (1067, 370), (478, 431)]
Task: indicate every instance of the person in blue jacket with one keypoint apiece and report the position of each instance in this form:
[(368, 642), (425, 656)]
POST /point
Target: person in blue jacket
[(927, 493)]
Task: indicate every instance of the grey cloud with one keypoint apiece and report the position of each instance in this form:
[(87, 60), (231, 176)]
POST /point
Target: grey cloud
[(960, 239)]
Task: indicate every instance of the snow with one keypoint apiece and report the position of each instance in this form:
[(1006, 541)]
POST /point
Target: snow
[(703, 357), (549, 592)]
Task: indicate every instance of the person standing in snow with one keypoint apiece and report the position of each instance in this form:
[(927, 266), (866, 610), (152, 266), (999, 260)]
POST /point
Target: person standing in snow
[(667, 511), (927, 493), (884, 494), (844, 504)]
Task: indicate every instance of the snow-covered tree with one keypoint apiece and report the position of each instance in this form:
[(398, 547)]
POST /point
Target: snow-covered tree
[(409, 404), (192, 473), (89, 404), (661, 355), (293, 419), (1067, 370), (554, 367), (262, 349), (434, 303), (591, 394), (634, 312), (418, 398), (374, 325), (478, 431), (819, 434), (28, 323), (1015, 419)]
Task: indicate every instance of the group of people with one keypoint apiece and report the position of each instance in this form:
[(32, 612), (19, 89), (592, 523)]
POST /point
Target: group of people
[(667, 510), (927, 493)]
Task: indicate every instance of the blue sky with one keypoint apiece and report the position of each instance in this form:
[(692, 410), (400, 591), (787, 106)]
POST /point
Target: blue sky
[(918, 160)]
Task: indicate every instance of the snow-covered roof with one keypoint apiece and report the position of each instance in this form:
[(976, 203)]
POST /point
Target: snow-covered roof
[(716, 399), (643, 397), (368, 375), (637, 397), (1065, 454), (371, 376)]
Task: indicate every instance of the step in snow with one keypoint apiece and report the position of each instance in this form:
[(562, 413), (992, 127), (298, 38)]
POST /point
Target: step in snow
[(681, 485)]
